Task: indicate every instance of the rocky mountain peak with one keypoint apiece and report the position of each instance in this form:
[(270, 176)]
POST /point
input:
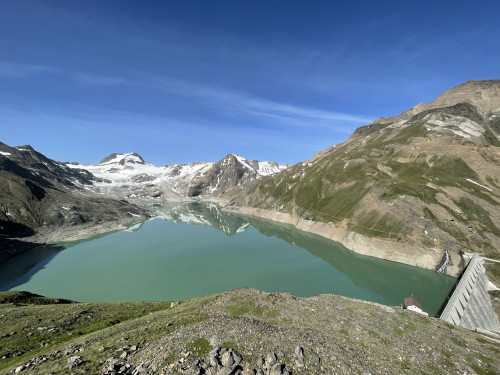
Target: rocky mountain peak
[(484, 95), (122, 159), (236, 159)]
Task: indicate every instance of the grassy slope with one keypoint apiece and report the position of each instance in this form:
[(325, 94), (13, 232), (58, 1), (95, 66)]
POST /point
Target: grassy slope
[(31, 327), (338, 330), (358, 182)]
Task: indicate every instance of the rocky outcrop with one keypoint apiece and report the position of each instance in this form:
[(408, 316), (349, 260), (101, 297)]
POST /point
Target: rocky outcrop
[(232, 172), (220, 361), (484, 95)]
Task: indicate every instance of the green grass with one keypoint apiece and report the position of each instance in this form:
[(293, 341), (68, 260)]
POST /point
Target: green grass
[(447, 360), (376, 224), (57, 323), (405, 364), (60, 325), (273, 313), (403, 136), (410, 326), (373, 333), (495, 293), (423, 319), (341, 203), (484, 367), (492, 181), (450, 171), (450, 326), (429, 215), (491, 138), (495, 124), (200, 347), (433, 368), (459, 343), (482, 341), (479, 214), (398, 330), (243, 307), (400, 188)]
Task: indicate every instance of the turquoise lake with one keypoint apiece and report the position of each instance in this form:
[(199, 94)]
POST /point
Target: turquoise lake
[(196, 249)]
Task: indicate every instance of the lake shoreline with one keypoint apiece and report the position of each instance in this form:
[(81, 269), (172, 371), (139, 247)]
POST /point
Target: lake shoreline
[(376, 247), (47, 236)]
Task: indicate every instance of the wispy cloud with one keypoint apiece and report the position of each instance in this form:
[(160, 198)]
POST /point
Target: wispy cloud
[(231, 101), (16, 70), (245, 103), (100, 80)]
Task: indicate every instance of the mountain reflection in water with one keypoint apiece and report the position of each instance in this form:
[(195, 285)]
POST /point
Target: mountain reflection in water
[(182, 256)]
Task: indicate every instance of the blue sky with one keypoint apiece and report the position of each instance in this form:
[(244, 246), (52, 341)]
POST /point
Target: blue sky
[(183, 81)]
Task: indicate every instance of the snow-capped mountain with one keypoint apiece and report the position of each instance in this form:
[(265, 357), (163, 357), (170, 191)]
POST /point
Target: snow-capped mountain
[(128, 176), (39, 196)]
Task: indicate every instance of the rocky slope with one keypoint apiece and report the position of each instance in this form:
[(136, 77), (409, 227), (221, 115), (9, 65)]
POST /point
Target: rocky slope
[(240, 332), (40, 197), (128, 176), (406, 190), (482, 94)]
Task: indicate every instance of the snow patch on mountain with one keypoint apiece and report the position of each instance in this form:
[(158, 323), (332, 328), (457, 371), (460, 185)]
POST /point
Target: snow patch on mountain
[(130, 158), (129, 176)]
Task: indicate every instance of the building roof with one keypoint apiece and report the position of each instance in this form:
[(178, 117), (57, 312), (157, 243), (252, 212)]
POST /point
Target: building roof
[(411, 301)]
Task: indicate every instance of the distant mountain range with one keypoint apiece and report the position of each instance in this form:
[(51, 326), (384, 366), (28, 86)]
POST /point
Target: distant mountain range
[(128, 176), (409, 188)]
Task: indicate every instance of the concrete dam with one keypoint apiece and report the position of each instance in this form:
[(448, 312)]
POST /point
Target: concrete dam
[(470, 305)]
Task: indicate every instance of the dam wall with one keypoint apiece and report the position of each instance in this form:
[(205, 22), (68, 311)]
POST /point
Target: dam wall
[(470, 305)]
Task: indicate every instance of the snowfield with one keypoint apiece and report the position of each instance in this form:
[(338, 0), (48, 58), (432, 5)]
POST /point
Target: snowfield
[(129, 176)]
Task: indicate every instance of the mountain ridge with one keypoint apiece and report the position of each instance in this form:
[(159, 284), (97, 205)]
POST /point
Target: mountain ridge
[(128, 176), (484, 94), (421, 187)]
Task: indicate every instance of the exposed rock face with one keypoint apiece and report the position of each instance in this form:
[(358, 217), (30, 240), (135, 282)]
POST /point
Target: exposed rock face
[(230, 173), (424, 184), (484, 95), (38, 194)]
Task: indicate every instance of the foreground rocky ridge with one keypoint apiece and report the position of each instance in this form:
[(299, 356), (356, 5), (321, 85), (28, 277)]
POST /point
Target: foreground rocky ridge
[(240, 332), (412, 189)]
